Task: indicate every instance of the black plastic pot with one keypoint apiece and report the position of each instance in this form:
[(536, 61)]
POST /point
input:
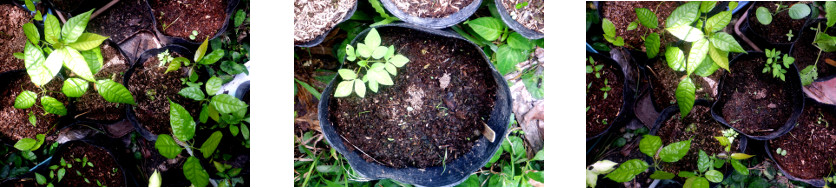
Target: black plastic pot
[(106, 144), (627, 95), (456, 170), (516, 26), (166, 40), (813, 182), (434, 23), (118, 31), (792, 78), (321, 38), (761, 41), (63, 121), (806, 39)]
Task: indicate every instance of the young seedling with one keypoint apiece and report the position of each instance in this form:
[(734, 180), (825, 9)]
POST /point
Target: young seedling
[(609, 33), (651, 146), (521, 5), (796, 11), (824, 42), (377, 61), (193, 35), (789, 36), (774, 62), (597, 70), (781, 152)]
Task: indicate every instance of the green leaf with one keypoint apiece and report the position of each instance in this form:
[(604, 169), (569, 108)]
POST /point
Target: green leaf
[(344, 89), (714, 176), (239, 17), (213, 57), (740, 156), (706, 68), (88, 41), (309, 88), (74, 87), (718, 21), (245, 131), (661, 175), (155, 180), (363, 50), (633, 25), (76, 63), (683, 15), (172, 66), (686, 174), (725, 42), (193, 93), (608, 27), (674, 152), (685, 96), (74, 27), (732, 5), (40, 179), (647, 18), (686, 33), (491, 28), (94, 59), (675, 58), (29, 5), (204, 113), (25, 144), (211, 144), (696, 182), (508, 58), (706, 6), (650, 144), (114, 92), (182, 124), (53, 106), (167, 147), (31, 32), (721, 58), (213, 85), (390, 52), (399, 60), (372, 40), (373, 85), (234, 130), (40, 71), (391, 69), (379, 52), (536, 176), (517, 41), (381, 76), (651, 44), (703, 162), (201, 50), (763, 15), (698, 52), (628, 170), (349, 53), (25, 99), (195, 173), (226, 103), (799, 11), (52, 29), (360, 88), (33, 120), (808, 75), (830, 13), (824, 42)]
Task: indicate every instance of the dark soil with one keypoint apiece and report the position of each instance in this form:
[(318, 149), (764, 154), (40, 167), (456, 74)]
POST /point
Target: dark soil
[(16, 124), (152, 89), (775, 32), (805, 52), (313, 18), (603, 111), (442, 120), (122, 20), (91, 105), (205, 16), (531, 16), (701, 128), (756, 103), (621, 13), (666, 80), (12, 38), (105, 168), (431, 9), (810, 145), (66, 5)]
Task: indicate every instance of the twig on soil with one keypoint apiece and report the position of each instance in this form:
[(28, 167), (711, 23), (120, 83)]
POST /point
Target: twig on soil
[(361, 151), (104, 8)]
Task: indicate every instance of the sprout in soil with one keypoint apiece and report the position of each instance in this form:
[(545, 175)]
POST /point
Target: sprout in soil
[(789, 36), (796, 11), (193, 35), (597, 69), (824, 42), (383, 62), (781, 152), (773, 65)]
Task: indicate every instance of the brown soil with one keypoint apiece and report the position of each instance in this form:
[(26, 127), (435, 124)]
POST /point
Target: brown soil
[(431, 9), (315, 17), (805, 52), (15, 122), (776, 32), (602, 112), (621, 13), (667, 80), (122, 20), (66, 5), (810, 145), (105, 169), (531, 16), (442, 120), (91, 105), (704, 129), (12, 38), (205, 16), (152, 89), (756, 103)]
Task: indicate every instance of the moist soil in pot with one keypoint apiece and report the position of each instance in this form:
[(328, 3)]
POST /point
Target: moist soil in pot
[(152, 89), (12, 38), (184, 16), (666, 80), (701, 128), (531, 16), (756, 103), (122, 20), (603, 111), (806, 53), (91, 105), (15, 122), (416, 121), (621, 13), (810, 145), (105, 169), (315, 17), (431, 9), (775, 32)]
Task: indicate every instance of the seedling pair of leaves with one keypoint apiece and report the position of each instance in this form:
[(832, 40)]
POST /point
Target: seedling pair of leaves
[(597, 69), (646, 18), (378, 61), (796, 11), (505, 47), (649, 145), (773, 65), (68, 46), (58, 171)]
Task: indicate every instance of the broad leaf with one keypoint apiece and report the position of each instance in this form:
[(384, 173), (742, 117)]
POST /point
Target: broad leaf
[(508, 58), (363, 50), (201, 50), (647, 18), (41, 71), (372, 39), (379, 52), (685, 96), (390, 52), (74, 87), (114, 92), (703, 162), (675, 58), (381, 76), (25, 144), (491, 28), (172, 66), (763, 15), (661, 175), (608, 27), (88, 41), (799, 11), (167, 147), (31, 32), (698, 52), (349, 53), (347, 74), (360, 88), (213, 85), (76, 63), (651, 44), (74, 27), (714, 176), (650, 144), (226, 103), (706, 6), (721, 58), (633, 25), (94, 59), (344, 89), (213, 57), (52, 29), (53, 106), (725, 42), (182, 123), (193, 93), (391, 69), (706, 68), (211, 144), (683, 15), (686, 174), (718, 21), (740, 156), (195, 173), (517, 41), (628, 170), (25, 99), (399, 60), (739, 167), (674, 152), (373, 85), (686, 33), (830, 13)]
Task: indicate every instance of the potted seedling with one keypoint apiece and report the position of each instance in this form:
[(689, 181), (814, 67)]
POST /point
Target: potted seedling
[(816, 45), (176, 20), (432, 14), (773, 24), (808, 154), (11, 20), (308, 27), (122, 20), (651, 147), (114, 64), (408, 141), (637, 25), (78, 163), (524, 16), (606, 97)]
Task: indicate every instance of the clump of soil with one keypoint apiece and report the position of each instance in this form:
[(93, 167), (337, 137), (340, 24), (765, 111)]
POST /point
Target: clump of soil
[(431, 9), (104, 169), (701, 128), (621, 13), (775, 32), (15, 122), (756, 103), (179, 18), (665, 81), (805, 52), (531, 16), (315, 17), (810, 145), (416, 122), (152, 89), (12, 38), (603, 111), (122, 20), (91, 105)]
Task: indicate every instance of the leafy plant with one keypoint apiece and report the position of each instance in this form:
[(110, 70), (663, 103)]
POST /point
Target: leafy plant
[(823, 41), (796, 11), (650, 145), (505, 47), (773, 64), (378, 61), (609, 33)]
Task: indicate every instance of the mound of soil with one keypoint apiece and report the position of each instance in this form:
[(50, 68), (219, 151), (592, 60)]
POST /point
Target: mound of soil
[(91, 105), (431, 9), (122, 20), (810, 145), (152, 89), (315, 17), (105, 169), (603, 111), (532, 16), (701, 128), (621, 13), (15, 122), (12, 38), (756, 103), (417, 121), (775, 32), (806, 53), (179, 18)]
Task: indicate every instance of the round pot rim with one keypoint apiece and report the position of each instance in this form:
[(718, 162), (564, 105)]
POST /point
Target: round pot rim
[(626, 101), (516, 26), (434, 23), (43, 165), (320, 38), (813, 182), (746, 29), (167, 40)]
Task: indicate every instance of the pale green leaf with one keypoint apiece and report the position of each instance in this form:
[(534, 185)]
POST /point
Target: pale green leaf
[(182, 123), (344, 89), (41, 71), (25, 99), (53, 106), (379, 52), (740, 156), (349, 53), (74, 87), (763, 15), (608, 27), (25, 144), (211, 144), (201, 50), (399, 60), (172, 66), (52, 29), (683, 15), (714, 176), (360, 88), (718, 21), (94, 59), (193, 93), (390, 52), (88, 41), (686, 33), (721, 58), (373, 85), (213, 85), (698, 52), (381, 76), (685, 96), (830, 13), (675, 58), (74, 27), (799, 11), (76, 63), (391, 69), (489, 28), (706, 6), (363, 50), (725, 42), (372, 40), (347, 74), (647, 18), (167, 147), (226, 103), (114, 92), (31, 33), (195, 173)]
